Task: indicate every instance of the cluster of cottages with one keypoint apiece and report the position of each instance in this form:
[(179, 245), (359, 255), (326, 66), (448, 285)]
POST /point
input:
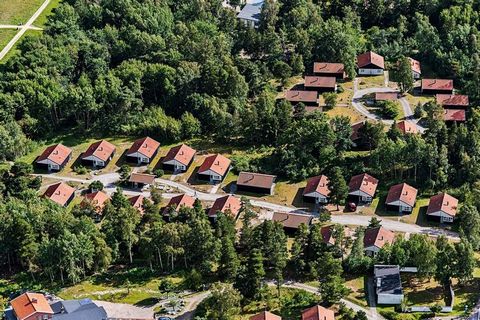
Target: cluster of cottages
[(35, 306), (314, 313)]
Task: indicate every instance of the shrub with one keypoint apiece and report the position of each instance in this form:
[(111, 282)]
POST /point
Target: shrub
[(389, 109), (80, 169), (158, 173)]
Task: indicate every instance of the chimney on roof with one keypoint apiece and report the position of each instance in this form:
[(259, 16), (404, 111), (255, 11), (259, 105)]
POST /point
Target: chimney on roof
[(181, 152), (58, 192), (100, 149), (381, 238), (55, 151), (145, 145), (34, 300), (217, 163)]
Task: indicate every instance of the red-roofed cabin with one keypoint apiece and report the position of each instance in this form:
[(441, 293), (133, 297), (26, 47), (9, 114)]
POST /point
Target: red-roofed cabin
[(416, 68), (375, 238), (454, 115), (178, 158), (54, 158), (265, 315), (308, 98), (143, 150), (386, 96), (214, 168), (137, 203), (98, 154), (455, 101), (97, 199), (292, 221), (355, 136), (317, 190), (362, 187), (435, 86), (178, 202), (320, 84), (401, 197), (229, 205), (60, 193), (328, 69), (443, 206), (407, 127), (31, 306), (370, 64), (318, 313), (256, 182)]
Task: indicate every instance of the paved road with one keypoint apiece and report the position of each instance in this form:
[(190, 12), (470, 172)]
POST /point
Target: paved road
[(359, 106), (109, 180), (371, 314), (12, 26), (24, 29)]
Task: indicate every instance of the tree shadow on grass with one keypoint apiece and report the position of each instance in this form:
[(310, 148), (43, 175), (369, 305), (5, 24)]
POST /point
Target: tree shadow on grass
[(148, 302)]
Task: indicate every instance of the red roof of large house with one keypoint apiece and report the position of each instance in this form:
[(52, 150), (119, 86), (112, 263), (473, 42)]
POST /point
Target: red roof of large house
[(182, 200), (363, 182), (402, 192), (57, 153), (224, 204), (100, 149), (378, 237), (318, 313), (265, 315), (437, 84), (454, 115), (407, 127), (415, 64), (370, 57), (258, 180), (318, 184), (301, 96), (443, 202), (328, 67), (137, 202), (28, 304), (320, 82), (217, 163), (146, 146), (452, 100), (98, 199), (59, 193), (182, 153)]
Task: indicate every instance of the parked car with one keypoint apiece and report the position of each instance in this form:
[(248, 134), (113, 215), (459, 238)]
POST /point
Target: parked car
[(352, 206)]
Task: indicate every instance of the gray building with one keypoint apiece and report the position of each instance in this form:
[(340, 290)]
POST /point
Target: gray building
[(250, 14), (84, 309), (388, 284)]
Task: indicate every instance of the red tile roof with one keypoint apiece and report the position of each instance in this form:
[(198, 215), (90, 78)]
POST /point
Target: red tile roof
[(443, 202), (29, 304), (383, 96), (146, 146), (224, 204), (416, 67), (407, 127), (265, 315), (363, 182), (327, 233), (292, 220), (454, 115), (59, 193), (378, 237), (452, 100), (318, 313), (402, 192), (437, 84), (102, 150), (370, 57), (98, 199), (182, 153), (57, 153), (257, 180), (301, 96), (142, 178), (216, 163), (320, 82), (137, 202), (328, 67), (182, 200), (318, 184)]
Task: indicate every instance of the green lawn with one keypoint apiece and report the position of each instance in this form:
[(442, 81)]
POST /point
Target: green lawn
[(5, 36), (18, 11)]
